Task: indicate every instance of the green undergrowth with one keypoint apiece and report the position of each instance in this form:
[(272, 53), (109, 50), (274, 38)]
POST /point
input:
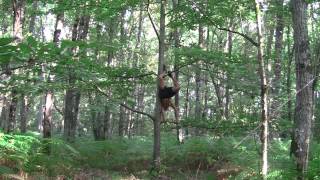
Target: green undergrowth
[(197, 157)]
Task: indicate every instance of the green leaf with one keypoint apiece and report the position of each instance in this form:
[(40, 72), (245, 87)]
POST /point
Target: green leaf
[(5, 41)]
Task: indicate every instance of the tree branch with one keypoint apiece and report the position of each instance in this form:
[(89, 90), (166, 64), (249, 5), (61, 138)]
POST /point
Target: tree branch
[(127, 107), (239, 33), (153, 25), (139, 112), (204, 14), (58, 110)]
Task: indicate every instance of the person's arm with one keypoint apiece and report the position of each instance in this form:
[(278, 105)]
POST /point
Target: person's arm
[(176, 86)]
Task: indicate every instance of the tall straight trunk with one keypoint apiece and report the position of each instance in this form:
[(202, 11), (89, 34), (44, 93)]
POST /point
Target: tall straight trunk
[(141, 125), (304, 80), (97, 117), (12, 112), (24, 113), (49, 96), (47, 115), (268, 53), (186, 104), (176, 34), (205, 98), (107, 122), (122, 117), (197, 112), (33, 18), (72, 97), (277, 65), (229, 47), (157, 121), (289, 81), (24, 109), (264, 92), (18, 14), (4, 112), (122, 110)]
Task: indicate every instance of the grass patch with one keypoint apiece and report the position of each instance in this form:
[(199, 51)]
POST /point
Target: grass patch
[(198, 157)]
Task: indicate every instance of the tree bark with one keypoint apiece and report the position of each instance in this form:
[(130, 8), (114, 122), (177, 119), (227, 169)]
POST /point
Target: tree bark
[(24, 114), (197, 112), (33, 18), (264, 93), (12, 112), (304, 81), (4, 113), (107, 122), (229, 47), (176, 34), (121, 129), (72, 98), (277, 65), (157, 121), (288, 83), (47, 114), (18, 14)]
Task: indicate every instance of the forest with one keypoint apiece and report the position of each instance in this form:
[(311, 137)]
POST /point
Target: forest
[(159, 89)]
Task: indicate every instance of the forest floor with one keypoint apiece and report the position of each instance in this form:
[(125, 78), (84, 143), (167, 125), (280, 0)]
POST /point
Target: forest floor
[(22, 157)]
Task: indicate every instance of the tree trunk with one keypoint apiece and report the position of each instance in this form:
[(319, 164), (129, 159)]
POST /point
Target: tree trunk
[(157, 121), (107, 122), (47, 115), (176, 34), (229, 47), (264, 92), (304, 81), (18, 14), (186, 105), (4, 113), (197, 112), (72, 99), (289, 105), (12, 112), (33, 18), (24, 114), (277, 66), (122, 118)]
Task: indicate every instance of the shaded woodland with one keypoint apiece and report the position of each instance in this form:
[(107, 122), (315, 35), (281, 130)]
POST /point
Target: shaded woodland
[(80, 83)]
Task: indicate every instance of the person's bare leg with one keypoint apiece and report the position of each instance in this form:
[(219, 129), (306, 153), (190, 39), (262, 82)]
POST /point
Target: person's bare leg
[(162, 120), (176, 111)]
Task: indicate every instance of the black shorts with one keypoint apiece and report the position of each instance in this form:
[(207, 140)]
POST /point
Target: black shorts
[(166, 92)]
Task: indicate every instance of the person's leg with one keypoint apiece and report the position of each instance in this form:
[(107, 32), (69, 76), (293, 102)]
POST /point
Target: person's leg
[(162, 119), (176, 111)]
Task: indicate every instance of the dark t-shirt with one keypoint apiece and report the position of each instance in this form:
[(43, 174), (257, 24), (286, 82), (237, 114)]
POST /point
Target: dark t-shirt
[(166, 92)]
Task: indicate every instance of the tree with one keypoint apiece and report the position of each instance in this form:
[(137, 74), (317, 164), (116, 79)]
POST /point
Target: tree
[(264, 93), (72, 97), (157, 120), (304, 80), (18, 15)]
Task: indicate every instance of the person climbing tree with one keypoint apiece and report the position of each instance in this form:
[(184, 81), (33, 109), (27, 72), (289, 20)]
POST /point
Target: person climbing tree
[(166, 93)]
